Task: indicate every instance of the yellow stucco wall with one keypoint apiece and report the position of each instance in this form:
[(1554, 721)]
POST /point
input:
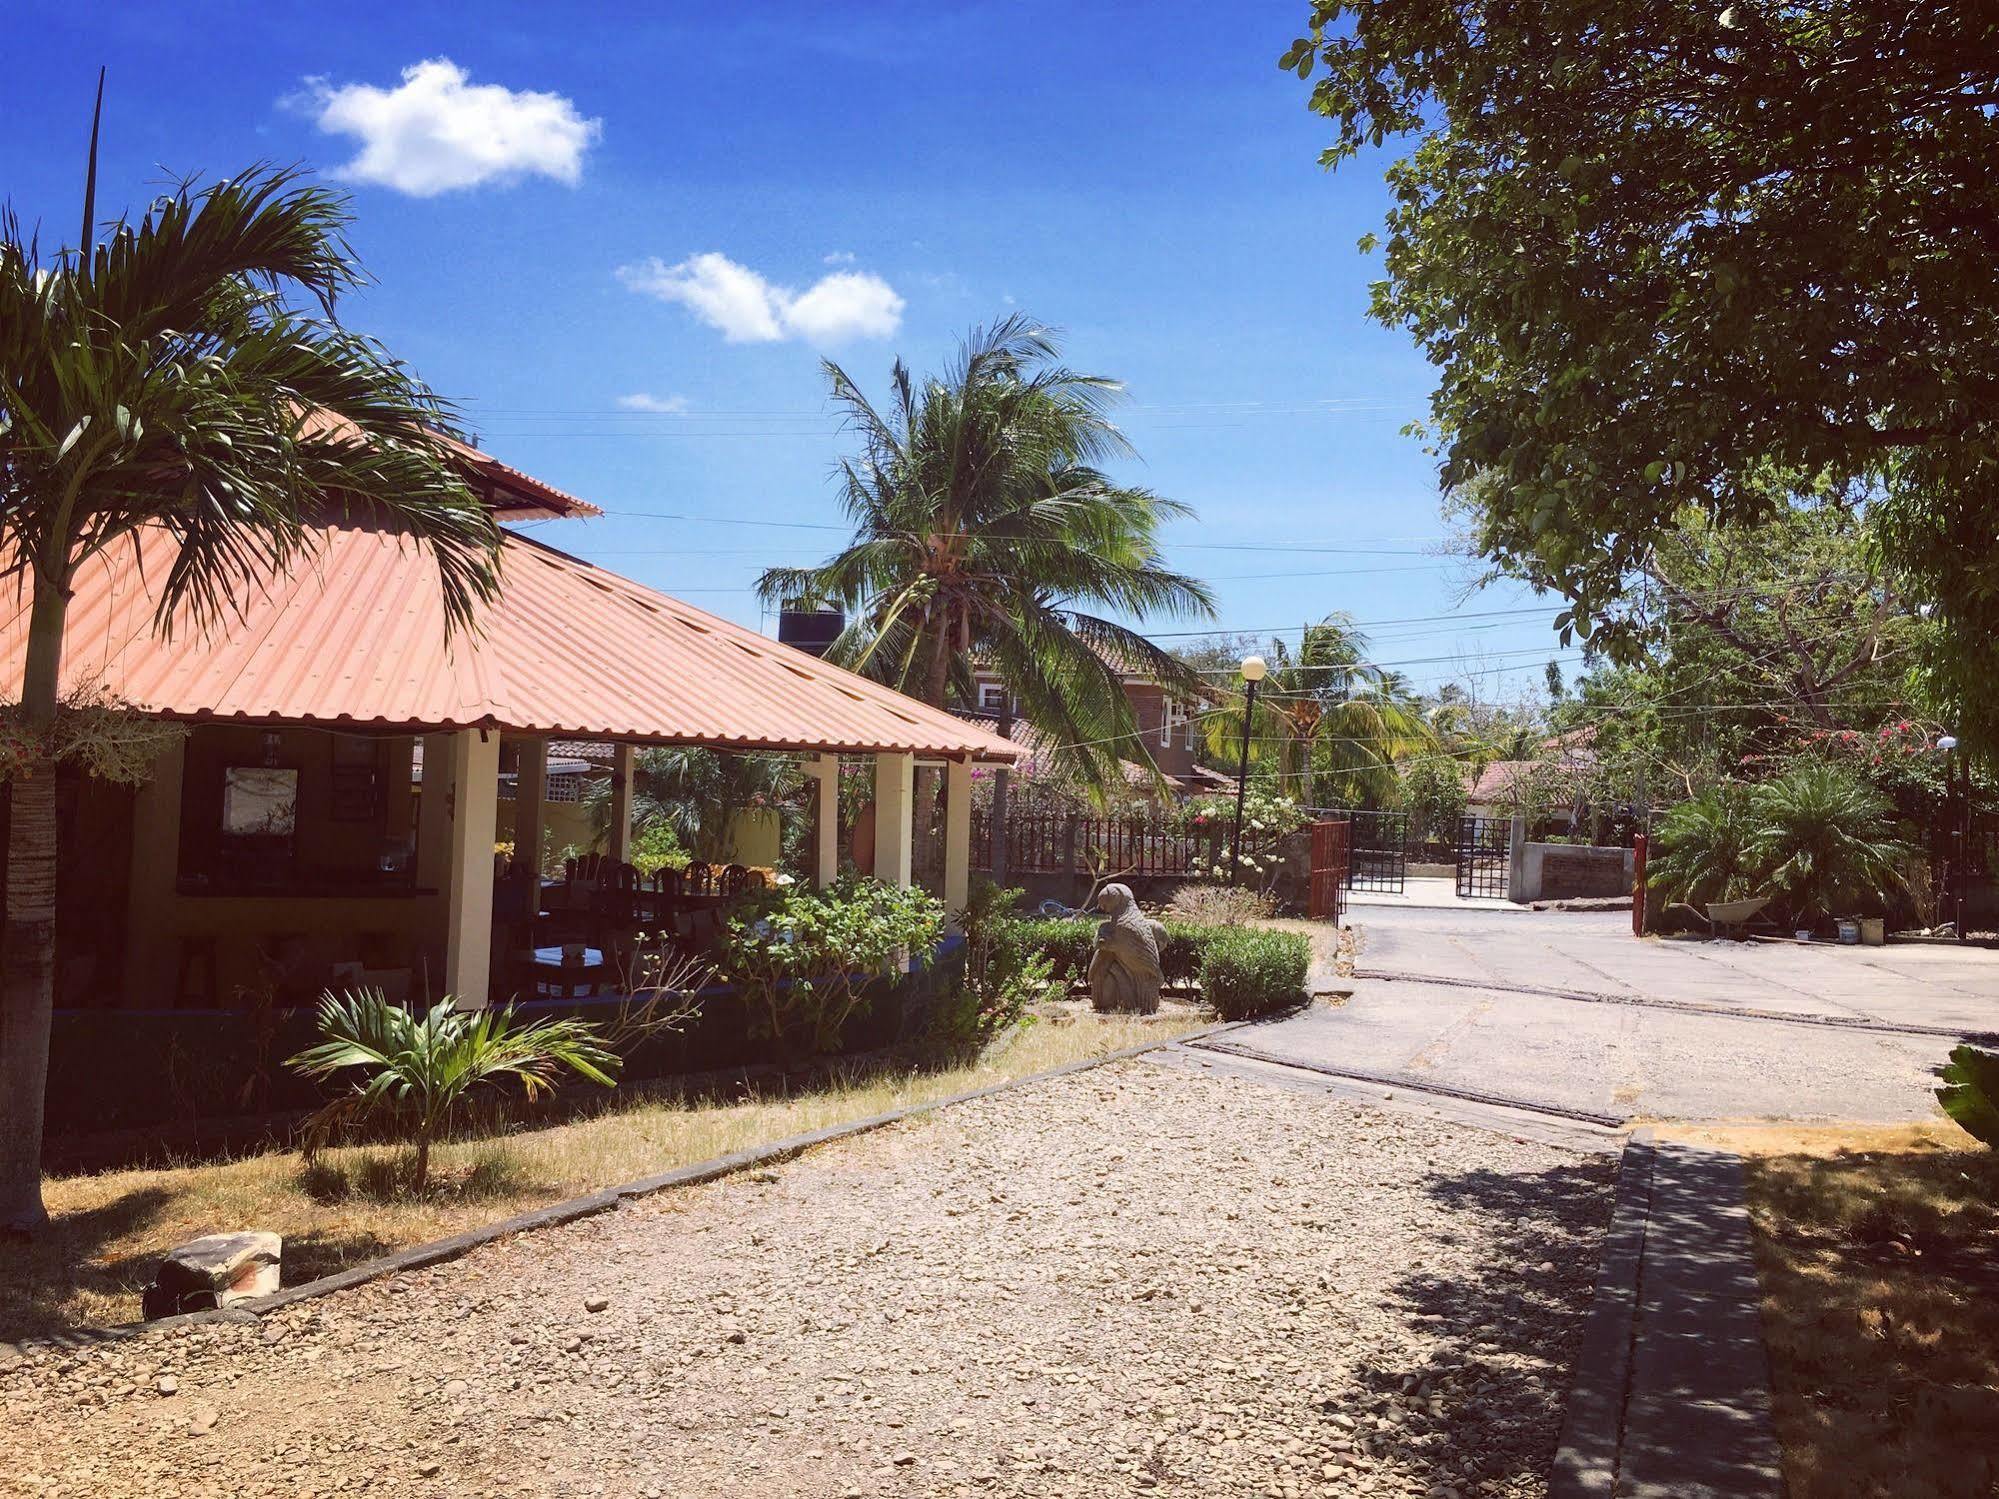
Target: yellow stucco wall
[(754, 840)]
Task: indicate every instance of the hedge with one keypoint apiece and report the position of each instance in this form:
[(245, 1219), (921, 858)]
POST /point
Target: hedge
[(1248, 971), (1254, 969)]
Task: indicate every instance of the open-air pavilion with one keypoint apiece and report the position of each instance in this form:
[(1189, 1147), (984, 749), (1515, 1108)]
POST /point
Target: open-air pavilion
[(288, 816)]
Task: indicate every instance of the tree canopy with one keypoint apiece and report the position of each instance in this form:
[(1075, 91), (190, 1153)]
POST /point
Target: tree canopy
[(1656, 251)]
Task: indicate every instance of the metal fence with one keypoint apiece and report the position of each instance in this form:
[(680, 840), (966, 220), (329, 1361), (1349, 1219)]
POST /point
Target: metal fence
[(1145, 845)]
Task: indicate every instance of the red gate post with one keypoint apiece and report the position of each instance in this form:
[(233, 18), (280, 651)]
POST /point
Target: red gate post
[(1638, 842)]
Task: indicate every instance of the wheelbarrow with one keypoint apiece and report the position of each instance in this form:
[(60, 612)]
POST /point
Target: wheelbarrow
[(1727, 916)]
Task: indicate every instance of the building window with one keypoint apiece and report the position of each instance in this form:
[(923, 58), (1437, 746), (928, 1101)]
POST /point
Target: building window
[(1175, 714), (992, 697)]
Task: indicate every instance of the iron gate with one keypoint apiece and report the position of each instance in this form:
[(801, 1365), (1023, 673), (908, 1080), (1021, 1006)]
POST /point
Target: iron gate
[(1484, 851), (1379, 859)]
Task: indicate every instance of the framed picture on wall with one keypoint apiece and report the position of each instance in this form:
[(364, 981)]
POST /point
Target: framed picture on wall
[(356, 793)]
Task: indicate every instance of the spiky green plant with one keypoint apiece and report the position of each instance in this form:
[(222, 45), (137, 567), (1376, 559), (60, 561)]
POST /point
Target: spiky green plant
[(1970, 1093), (1824, 840), (1701, 853), (419, 1066)]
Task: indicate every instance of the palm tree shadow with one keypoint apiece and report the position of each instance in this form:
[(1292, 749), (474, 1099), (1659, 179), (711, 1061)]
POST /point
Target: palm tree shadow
[(1483, 1403)]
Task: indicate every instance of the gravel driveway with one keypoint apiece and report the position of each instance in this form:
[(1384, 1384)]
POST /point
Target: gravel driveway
[(1131, 1280)]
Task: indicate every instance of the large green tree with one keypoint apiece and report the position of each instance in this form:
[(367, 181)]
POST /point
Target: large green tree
[(987, 532), (162, 374), (1655, 247)]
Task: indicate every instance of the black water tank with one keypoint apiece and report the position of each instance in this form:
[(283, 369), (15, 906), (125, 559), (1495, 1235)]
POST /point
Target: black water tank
[(810, 630)]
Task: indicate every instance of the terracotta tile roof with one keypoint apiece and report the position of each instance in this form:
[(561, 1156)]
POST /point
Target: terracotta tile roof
[(1499, 782), (354, 635)]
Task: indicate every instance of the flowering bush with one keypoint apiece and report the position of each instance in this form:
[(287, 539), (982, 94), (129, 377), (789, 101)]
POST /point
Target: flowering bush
[(1262, 812)]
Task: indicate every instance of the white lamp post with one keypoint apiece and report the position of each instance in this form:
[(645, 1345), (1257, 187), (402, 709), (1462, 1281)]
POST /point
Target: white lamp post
[(1253, 671)]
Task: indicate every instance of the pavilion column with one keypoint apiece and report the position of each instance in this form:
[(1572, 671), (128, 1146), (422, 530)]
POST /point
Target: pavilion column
[(826, 821), (468, 932), (623, 759), (895, 804), (433, 814), (530, 798), (957, 835)]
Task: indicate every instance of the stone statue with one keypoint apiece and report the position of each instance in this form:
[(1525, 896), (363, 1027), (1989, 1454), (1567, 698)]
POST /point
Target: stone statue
[(1124, 971)]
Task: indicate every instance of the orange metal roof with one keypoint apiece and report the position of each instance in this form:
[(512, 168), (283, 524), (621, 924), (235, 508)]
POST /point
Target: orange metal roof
[(354, 636), (512, 494)]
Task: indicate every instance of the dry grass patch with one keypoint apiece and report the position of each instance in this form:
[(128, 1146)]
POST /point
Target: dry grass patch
[(1878, 1252), (109, 1229)]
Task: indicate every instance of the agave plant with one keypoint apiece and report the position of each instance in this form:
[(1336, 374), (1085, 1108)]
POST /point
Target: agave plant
[(1702, 852), (1821, 839), (419, 1066)]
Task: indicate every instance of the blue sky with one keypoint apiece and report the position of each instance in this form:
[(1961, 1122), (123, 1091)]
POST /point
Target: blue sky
[(576, 214)]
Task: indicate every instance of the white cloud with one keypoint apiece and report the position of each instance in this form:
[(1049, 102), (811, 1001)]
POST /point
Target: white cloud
[(839, 257), (640, 400), (439, 132), (746, 308)]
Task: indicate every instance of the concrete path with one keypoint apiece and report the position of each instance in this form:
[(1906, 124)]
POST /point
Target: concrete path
[(1672, 1392), (1570, 1010)]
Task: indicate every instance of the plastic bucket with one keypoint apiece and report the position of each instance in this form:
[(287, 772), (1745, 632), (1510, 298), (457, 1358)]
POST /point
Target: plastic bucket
[(1849, 931)]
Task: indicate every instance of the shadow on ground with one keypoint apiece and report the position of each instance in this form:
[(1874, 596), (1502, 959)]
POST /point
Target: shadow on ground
[(1486, 1403)]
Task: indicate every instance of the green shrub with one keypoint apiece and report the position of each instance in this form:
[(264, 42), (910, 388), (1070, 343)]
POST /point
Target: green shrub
[(1066, 940), (806, 960), (655, 847), (1822, 838), (1249, 971), (1970, 1094), (1702, 850), (1005, 972)]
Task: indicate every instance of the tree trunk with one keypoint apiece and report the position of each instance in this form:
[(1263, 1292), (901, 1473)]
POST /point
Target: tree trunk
[(929, 781), (27, 965)]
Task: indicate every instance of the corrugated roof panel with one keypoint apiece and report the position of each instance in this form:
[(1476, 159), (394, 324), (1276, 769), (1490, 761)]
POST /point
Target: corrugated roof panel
[(354, 634)]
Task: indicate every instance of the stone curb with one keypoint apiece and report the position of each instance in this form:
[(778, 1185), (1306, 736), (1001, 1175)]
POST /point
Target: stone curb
[(451, 1248), (1586, 1456), (1671, 1398)]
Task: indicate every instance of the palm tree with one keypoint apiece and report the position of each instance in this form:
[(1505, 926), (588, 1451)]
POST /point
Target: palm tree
[(160, 376), (1824, 839), (1331, 714), (699, 794), (419, 1067), (986, 533)]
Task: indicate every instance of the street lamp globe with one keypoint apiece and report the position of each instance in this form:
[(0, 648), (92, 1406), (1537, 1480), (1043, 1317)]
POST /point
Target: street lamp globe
[(1253, 669)]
